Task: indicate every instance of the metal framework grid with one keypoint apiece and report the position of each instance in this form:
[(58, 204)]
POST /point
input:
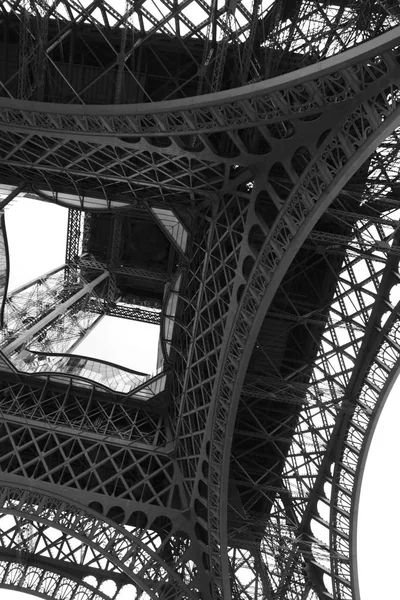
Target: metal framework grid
[(272, 130)]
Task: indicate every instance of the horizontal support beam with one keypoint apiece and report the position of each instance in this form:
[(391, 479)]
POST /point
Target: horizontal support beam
[(122, 270), (131, 313)]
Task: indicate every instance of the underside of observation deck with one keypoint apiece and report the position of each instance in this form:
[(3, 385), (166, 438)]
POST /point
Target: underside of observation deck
[(230, 169)]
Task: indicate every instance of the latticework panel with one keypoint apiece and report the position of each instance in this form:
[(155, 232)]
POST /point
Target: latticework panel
[(294, 196), (64, 533), (27, 306), (177, 149), (69, 407), (212, 278)]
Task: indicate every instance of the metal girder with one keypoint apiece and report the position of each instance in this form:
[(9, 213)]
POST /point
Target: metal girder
[(97, 414), (22, 569), (292, 184), (31, 313), (113, 258), (133, 313), (74, 234), (300, 462), (88, 262), (249, 123), (113, 548)]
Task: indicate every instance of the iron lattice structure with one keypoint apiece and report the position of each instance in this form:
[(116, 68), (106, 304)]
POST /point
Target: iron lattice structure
[(231, 173)]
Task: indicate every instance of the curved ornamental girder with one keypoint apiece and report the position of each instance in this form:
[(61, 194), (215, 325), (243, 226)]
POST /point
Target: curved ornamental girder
[(239, 131), (127, 555), (44, 580)]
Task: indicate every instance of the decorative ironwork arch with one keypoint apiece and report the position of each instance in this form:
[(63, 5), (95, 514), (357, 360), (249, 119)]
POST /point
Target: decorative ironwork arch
[(112, 542), (45, 583)]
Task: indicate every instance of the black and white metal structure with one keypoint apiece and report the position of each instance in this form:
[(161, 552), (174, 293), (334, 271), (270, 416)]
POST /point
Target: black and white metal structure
[(231, 172)]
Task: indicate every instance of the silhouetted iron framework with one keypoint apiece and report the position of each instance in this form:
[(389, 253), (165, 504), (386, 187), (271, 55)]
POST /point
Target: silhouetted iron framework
[(231, 172)]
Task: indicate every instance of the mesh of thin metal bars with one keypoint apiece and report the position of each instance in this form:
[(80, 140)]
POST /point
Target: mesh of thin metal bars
[(131, 474), (68, 409), (43, 352), (216, 277), (25, 308), (356, 129), (326, 398), (74, 235), (131, 551), (316, 31), (308, 32)]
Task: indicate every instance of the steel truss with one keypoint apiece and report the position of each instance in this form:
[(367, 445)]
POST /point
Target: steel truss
[(243, 481), (111, 307)]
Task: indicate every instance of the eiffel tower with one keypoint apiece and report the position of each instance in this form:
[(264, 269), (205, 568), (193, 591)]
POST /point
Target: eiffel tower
[(231, 174)]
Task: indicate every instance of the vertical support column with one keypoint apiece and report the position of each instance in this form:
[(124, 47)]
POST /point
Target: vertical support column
[(24, 55), (249, 44), (122, 55), (222, 47), (113, 260), (73, 235), (33, 35)]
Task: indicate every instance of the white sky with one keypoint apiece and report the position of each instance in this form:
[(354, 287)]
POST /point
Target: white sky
[(130, 344), (34, 230)]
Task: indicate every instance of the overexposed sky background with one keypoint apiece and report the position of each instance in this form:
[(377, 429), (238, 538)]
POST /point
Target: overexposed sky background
[(33, 227)]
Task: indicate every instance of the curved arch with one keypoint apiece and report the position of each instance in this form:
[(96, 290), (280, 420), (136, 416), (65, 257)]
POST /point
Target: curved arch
[(316, 190), (319, 89), (227, 97), (290, 97), (44, 582), (104, 536)]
